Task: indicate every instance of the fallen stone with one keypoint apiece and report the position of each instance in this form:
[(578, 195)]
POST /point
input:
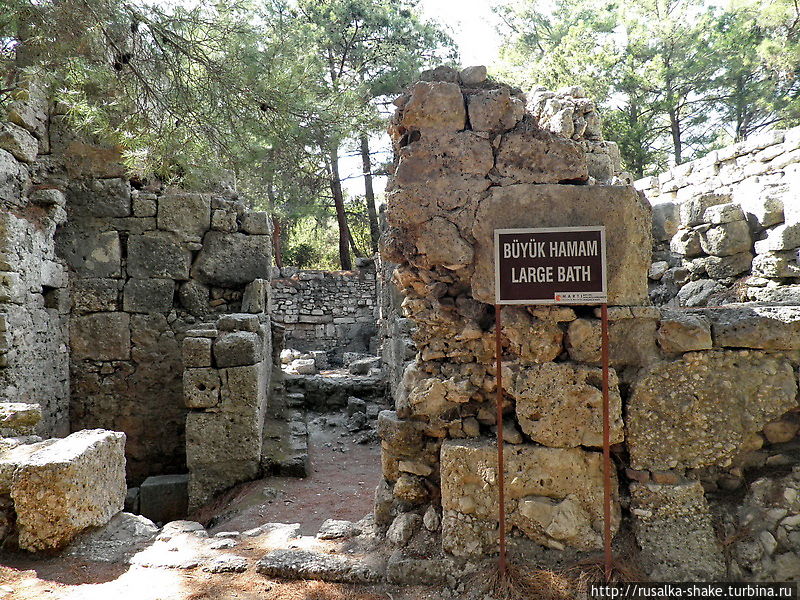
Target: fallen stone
[(332, 529), (18, 418), (123, 536), (364, 365), (226, 563), (164, 498), (402, 528), (303, 564), (472, 75)]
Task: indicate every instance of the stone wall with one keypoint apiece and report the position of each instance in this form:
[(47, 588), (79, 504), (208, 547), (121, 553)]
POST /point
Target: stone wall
[(727, 226), (703, 401), (228, 366), (331, 311), (34, 302)]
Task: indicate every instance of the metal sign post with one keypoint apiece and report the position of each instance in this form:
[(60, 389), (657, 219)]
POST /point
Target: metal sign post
[(555, 266)]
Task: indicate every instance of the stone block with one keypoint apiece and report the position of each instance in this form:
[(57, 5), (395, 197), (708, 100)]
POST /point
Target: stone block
[(12, 288), (777, 264), (21, 144), (494, 110), (699, 410), (100, 197), (75, 483), (681, 331), (759, 327), (91, 254), (726, 239), (18, 418), (101, 336), (144, 207), (194, 297), (148, 295), (188, 215), (233, 259), (48, 197), (239, 322), (256, 296), (761, 207), (440, 243), (686, 242), (554, 495), (693, 211), (723, 213), (621, 209), (531, 155), (237, 348), (472, 75), (224, 220), (674, 529), (196, 352), (631, 341), (699, 292), (781, 237), (201, 387), (435, 106), (720, 267), (164, 498), (257, 223), (158, 255), (95, 295), (560, 405)]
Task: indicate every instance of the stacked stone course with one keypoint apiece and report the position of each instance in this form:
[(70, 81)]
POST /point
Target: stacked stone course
[(335, 312)]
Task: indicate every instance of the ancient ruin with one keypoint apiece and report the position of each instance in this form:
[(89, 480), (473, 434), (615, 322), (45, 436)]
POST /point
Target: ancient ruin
[(152, 359)]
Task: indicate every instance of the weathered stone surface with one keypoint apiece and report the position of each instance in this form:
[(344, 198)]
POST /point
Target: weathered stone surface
[(148, 295), (123, 536), (186, 214), (233, 259), (621, 209), (763, 209), (18, 142), (12, 456), (257, 223), (631, 341), (95, 295), (666, 221), (237, 349), (19, 417), (441, 244), (531, 155), (100, 197), (561, 404), (435, 106), (776, 264), (72, 484), (333, 529), (699, 410), (536, 475), (304, 564), (726, 239), (402, 528), (101, 336), (158, 254), (164, 498), (686, 242), (201, 388), (674, 530), (760, 327), (196, 352), (91, 254), (698, 293), (693, 210), (720, 267), (256, 296), (681, 331), (781, 237), (494, 110), (723, 213), (472, 75)]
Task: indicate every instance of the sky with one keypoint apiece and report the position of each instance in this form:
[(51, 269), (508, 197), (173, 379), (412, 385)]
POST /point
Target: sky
[(471, 23)]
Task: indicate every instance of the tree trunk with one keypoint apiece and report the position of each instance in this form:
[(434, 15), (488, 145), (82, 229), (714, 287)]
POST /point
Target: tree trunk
[(356, 250), (369, 194), (341, 218), (675, 132), (276, 241)]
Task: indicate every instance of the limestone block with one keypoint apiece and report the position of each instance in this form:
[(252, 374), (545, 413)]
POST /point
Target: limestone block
[(100, 336), (403, 438), (12, 288), (256, 296), (494, 110), (100, 197), (158, 254), (686, 242), (14, 456), (233, 259), (91, 254), (440, 243), (624, 213), (531, 155), (148, 295), (680, 331), (532, 339), (631, 341), (699, 292), (760, 327), (237, 349), (534, 475), (720, 267), (777, 264), (781, 237), (472, 75), (698, 411), (19, 418), (435, 106), (188, 215), (12, 177), (762, 207), (48, 197), (144, 207), (95, 295), (726, 239), (723, 213), (75, 483), (18, 142), (783, 294), (693, 210), (196, 352), (194, 297), (224, 220), (164, 498), (201, 388), (257, 223), (560, 405), (239, 322)]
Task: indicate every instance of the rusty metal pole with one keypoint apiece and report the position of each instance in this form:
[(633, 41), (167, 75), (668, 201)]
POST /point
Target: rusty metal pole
[(500, 460), (606, 447)]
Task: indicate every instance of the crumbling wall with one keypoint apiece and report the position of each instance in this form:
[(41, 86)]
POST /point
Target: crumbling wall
[(228, 366), (335, 312), (727, 226), (702, 401), (34, 303)]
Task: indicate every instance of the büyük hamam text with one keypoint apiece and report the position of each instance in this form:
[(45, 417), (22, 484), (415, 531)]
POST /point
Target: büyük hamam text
[(550, 274)]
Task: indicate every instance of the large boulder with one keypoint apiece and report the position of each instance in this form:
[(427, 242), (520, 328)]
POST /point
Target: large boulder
[(233, 259), (69, 485), (621, 209), (698, 411)]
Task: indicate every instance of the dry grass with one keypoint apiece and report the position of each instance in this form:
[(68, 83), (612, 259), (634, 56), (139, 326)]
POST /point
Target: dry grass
[(318, 590)]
